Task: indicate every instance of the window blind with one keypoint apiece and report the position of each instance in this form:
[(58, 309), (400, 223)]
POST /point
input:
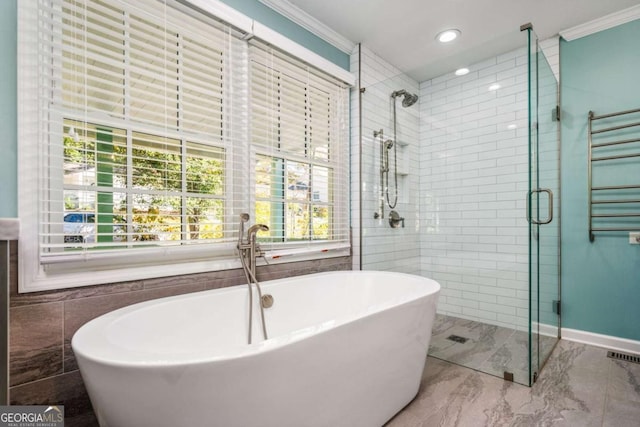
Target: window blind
[(299, 142), (141, 150)]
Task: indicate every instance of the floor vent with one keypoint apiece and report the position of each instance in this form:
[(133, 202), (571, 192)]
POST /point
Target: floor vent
[(624, 357), (457, 339)]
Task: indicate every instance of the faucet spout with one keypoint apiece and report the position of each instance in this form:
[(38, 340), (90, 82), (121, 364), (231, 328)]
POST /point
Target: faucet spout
[(250, 249), (254, 229), (253, 246)]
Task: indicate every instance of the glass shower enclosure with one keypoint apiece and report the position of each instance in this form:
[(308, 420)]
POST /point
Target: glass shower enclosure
[(543, 212), (466, 191)]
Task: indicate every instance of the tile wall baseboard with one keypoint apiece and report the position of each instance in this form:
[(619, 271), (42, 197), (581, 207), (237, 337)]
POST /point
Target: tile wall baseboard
[(599, 340)]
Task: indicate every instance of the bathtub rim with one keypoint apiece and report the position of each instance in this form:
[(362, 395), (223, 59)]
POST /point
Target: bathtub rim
[(235, 352)]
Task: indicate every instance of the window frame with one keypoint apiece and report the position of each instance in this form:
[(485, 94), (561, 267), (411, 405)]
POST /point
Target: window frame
[(131, 132), (98, 268), (278, 78)]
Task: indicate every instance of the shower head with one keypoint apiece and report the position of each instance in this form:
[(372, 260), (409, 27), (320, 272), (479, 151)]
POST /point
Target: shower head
[(244, 217), (409, 98), (388, 144)]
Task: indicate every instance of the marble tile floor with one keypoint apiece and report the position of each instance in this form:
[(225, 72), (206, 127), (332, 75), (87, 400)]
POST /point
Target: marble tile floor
[(489, 348), (578, 387)]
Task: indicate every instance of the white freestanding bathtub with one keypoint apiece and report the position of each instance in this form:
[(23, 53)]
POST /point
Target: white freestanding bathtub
[(345, 348)]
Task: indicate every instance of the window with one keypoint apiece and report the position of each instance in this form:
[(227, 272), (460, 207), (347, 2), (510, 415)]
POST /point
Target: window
[(151, 170), (300, 148), (141, 187), (150, 130)]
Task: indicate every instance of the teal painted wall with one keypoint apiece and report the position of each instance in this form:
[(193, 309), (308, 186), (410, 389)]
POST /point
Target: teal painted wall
[(600, 280), (8, 81), (8, 109)]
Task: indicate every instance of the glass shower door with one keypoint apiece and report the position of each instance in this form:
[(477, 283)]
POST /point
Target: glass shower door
[(543, 209)]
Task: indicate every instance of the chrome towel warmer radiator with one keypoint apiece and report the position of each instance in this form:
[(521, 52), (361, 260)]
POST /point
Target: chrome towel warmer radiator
[(620, 201)]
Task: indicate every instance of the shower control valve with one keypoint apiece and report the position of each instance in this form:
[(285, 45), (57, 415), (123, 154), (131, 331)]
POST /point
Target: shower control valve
[(395, 219)]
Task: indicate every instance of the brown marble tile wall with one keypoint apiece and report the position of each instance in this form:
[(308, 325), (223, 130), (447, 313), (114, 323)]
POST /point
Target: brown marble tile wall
[(65, 389), (43, 369), (35, 333)]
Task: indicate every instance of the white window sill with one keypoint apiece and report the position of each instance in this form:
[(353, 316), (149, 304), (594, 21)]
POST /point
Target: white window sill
[(47, 280), (9, 228)]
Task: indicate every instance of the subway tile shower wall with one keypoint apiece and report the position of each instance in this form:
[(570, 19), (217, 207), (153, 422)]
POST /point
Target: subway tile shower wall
[(463, 185), (385, 248), (474, 178)]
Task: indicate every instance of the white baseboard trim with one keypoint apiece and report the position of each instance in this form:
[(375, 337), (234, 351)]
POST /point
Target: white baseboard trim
[(590, 338), (598, 340), (547, 330)]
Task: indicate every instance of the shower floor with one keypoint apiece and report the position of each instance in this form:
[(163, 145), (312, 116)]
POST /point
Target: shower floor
[(488, 348)]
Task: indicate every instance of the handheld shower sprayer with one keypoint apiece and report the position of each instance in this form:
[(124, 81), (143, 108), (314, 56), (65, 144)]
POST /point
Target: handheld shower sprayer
[(244, 217)]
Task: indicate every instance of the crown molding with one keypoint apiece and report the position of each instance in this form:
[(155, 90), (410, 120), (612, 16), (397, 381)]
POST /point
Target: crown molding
[(311, 24), (604, 23), (252, 28), (274, 38)]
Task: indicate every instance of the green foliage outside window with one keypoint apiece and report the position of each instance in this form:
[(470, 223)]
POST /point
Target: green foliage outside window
[(162, 201)]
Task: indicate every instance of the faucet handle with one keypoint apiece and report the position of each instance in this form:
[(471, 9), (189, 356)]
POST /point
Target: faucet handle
[(263, 256), (395, 219)]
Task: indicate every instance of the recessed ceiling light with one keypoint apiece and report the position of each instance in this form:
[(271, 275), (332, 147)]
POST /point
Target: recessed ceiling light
[(462, 71), (447, 36), (494, 86), (512, 126)]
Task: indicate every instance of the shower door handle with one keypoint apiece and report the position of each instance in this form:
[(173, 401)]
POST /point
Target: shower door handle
[(550, 216)]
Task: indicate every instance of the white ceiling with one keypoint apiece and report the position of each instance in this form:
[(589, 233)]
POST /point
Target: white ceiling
[(403, 31)]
